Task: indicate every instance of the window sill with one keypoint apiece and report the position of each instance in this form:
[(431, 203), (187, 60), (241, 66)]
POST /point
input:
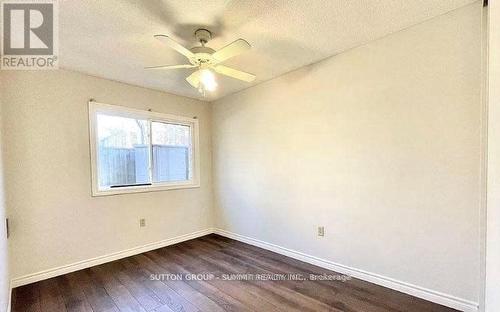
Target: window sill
[(144, 189)]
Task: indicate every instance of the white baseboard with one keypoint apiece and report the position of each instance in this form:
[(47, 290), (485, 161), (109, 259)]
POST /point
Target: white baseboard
[(413, 290), (46, 274)]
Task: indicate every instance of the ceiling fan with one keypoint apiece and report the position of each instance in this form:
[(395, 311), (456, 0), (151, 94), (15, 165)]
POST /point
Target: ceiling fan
[(207, 60)]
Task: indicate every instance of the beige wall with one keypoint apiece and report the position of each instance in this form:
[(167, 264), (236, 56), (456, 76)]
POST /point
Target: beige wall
[(4, 268), (380, 144), (55, 221), (493, 210)]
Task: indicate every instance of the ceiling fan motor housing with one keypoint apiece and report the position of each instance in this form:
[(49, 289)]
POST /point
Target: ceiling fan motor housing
[(202, 55)]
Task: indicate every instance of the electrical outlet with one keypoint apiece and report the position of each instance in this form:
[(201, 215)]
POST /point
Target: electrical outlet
[(142, 222), (321, 231)]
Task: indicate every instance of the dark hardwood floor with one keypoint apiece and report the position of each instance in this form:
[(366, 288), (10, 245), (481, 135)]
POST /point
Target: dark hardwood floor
[(135, 284)]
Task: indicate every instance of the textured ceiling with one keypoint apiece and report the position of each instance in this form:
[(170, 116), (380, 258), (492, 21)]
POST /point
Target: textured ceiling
[(114, 38)]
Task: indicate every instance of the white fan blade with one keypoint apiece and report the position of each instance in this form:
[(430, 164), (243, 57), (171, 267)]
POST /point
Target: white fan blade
[(194, 79), (171, 66), (234, 48), (234, 73), (174, 45)]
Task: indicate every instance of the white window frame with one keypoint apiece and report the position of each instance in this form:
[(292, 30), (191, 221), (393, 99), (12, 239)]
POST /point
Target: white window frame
[(115, 110)]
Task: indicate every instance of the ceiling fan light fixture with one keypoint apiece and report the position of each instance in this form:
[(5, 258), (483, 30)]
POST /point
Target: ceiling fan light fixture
[(207, 80)]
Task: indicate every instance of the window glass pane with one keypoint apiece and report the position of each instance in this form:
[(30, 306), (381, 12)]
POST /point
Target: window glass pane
[(172, 152), (123, 151)]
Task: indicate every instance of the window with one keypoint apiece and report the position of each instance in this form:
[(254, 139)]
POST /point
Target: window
[(141, 151)]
